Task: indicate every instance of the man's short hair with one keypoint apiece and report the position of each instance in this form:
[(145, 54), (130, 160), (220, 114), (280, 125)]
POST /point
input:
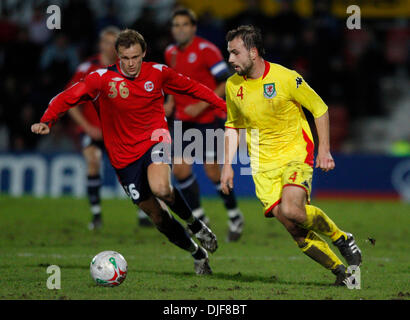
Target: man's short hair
[(113, 30), (128, 38), (185, 12), (251, 37)]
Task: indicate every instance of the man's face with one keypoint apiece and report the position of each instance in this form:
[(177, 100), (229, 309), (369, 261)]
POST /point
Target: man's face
[(107, 46), (131, 59), (182, 29), (239, 57)]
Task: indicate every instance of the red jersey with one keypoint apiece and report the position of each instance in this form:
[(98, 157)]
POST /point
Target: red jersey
[(87, 108), (201, 61), (130, 109)]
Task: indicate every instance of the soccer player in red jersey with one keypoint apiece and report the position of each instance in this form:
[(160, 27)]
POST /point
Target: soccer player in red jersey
[(201, 60), (86, 117), (129, 97)]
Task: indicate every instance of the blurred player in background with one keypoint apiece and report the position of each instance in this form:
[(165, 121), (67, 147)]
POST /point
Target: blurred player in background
[(86, 117), (201, 60), (129, 98), (269, 97)]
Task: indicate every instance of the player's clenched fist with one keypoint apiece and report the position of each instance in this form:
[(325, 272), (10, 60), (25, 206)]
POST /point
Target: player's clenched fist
[(226, 179), (325, 161), (40, 128)]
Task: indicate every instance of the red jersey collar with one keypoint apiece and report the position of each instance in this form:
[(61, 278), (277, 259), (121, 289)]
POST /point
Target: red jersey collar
[(267, 68)]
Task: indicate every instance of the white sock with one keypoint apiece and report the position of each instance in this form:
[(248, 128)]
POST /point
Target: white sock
[(194, 248), (96, 209), (232, 213), (198, 213)]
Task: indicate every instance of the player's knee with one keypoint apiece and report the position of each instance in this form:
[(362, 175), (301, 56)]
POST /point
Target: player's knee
[(286, 210), (293, 212), (163, 191)]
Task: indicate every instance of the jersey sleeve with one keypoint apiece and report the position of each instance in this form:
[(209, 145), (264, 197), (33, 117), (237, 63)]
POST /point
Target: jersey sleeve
[(87, 89), (233, 118), (177, 83), (215, 62), (302, 93)]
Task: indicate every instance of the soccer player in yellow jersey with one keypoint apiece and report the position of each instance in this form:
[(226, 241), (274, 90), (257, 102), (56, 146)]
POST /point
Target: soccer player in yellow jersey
[(266, 99)]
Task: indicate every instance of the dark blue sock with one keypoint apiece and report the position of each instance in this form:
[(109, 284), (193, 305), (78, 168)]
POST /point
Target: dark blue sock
[(190, 190), (93, 193), (176, 233), (229, 200), (180, 205)]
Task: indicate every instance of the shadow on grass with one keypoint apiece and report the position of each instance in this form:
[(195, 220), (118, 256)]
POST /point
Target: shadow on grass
[(243, 278)]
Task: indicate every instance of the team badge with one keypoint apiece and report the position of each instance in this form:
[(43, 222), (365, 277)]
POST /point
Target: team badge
[(269, 90), (192, 57), (149, 86)]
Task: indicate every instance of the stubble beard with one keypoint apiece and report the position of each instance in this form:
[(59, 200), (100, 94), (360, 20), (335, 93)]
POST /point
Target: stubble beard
[(246, 69)]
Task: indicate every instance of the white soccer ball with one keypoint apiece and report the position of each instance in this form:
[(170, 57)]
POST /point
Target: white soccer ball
[(108, 268)]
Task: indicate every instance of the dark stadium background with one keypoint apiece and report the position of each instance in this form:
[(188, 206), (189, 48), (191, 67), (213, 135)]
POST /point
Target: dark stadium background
[(363, 76)]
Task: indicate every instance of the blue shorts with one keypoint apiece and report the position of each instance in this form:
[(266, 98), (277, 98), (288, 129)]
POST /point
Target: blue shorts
[(201, 142), (133, 177)]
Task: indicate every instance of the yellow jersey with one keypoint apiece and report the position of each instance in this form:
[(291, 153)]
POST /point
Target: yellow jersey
[(270, 109)]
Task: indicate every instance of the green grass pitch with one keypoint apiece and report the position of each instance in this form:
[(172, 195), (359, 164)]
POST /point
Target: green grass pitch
[(264, 264)]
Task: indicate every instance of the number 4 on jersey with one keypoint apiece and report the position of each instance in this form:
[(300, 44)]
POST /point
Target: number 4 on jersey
[(293, 176), (240, 93)]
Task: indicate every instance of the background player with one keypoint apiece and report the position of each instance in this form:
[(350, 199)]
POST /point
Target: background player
[(201, 60), (270, 97), (129, 98), (86, 117)]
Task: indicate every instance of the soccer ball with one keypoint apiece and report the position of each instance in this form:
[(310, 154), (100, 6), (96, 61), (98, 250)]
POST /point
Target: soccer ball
[(108, 269)]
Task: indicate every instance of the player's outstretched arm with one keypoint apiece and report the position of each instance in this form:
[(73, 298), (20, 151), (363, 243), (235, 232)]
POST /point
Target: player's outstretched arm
[(177, 83), (81, 91), (196, 109)]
